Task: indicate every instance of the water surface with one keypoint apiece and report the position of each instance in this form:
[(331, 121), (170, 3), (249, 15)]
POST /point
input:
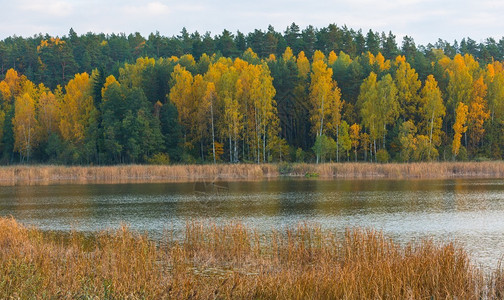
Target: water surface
[(468, 211)]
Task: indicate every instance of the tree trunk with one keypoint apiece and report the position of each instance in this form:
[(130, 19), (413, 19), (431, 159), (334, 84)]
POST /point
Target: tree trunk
[(235, 144), (322, 117), (337, 143), (430, 138), (230, 149), (374, 142), (264, 143), (384, 133), (317, 152), (258, 138), (213, 133)]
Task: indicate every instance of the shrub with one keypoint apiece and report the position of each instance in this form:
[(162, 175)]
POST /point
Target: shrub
[(382, 156), (159, 159), (462, 156), (300, 155), (285, 168)]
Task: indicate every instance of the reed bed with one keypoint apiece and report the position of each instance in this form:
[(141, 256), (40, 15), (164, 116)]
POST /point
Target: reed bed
[(402, 170), (49, 174), (235, 262)]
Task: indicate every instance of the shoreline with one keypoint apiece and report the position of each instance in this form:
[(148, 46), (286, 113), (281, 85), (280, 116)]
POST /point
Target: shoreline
[(55, 174)]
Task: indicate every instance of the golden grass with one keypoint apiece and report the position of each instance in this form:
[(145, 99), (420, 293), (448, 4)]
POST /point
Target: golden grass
[(48, 174), (403, 170), (235, 262)]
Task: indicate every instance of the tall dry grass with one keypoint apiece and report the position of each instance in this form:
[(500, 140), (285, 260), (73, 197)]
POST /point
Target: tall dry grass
[(402, 170), (41, 174), (47, 174), (235, 262)]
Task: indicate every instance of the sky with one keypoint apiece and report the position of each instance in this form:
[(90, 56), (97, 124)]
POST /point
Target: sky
[(424, 20)]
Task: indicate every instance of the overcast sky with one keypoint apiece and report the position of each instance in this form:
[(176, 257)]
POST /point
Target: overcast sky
[(424, 20)]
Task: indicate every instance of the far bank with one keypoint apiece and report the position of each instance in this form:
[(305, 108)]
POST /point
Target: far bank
[(51, 174)]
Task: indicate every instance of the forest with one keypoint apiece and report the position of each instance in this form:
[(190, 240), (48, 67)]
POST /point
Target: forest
[(302, 95)]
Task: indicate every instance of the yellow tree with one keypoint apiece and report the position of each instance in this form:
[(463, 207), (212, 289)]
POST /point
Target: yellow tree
[(268, 108), (326, 103), (494, 80), (320, 94), (222, 93), (368, 105), (250, 57), (14, 81), (187, 61), (7, 95), (478, 112), (288, 55), (407, 139), (332, 58), (318, 55), (472, 65), (460, 82), (303, 65), (209, 101), (334, 118), (388, 104), (459, 126), (259, 90), (379, 61), (5, 92), (76, 109), (131, 75), (495, 83), (48, 114), (227, 87), (203, 96), (365, 142), (181, 95), (383, 64), (378, 106), (232, 120), (432, 111), (108, 81), (408, 85), (355, 137), (25, 126)]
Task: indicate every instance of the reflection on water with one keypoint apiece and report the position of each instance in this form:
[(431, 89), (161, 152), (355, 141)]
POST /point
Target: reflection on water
[(470, 212)]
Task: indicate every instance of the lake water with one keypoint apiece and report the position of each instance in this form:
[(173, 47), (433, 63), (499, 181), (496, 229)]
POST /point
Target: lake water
[(470, 212)]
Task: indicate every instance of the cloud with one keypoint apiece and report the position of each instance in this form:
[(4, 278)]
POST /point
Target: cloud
[(150, 9), (48, 7)]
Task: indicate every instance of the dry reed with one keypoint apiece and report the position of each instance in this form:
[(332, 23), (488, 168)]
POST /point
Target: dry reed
[(402, 171), (42, 174), (235, 262)]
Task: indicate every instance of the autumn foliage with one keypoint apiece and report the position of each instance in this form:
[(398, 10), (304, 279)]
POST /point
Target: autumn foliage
[(273, 105)]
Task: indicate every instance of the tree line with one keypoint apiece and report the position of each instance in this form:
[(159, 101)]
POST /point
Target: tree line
[(54, 60), (325, 100)]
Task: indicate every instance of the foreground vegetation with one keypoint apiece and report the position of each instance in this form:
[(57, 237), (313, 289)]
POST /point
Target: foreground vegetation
[(233, 261), (49, 174)]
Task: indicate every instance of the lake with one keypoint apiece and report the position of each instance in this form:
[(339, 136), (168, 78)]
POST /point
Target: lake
[(467, 211)]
